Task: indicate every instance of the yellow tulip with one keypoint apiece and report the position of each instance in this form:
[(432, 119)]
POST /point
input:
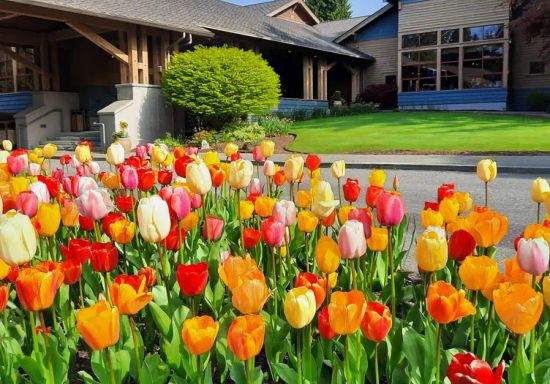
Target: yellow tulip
[(323, 202), (378, 240), (431, 251), (307, 221), (83, 153), (300, 307), (465, 201), (479, 272), (294, 167), (48, 218), (332, 280), (343, 213), (546, 290), (211, 158), (264, 206), (49, 150), (240, 174), (487, 170), (18, 184), (246, 209), (327, 255), (449, 208), (198, 178), (303, 199), (230, 149), (539, 190), (190, 221), (17, 238), (268, 148), (431, 218), (377, 178), (338, 169)]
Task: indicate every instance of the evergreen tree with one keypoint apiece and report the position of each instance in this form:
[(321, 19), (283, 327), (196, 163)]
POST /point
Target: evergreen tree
[(327, 10)]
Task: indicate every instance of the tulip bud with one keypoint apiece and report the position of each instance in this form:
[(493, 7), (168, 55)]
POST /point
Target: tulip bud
[(377, 178), (432, 250), (17, 239), (351, 240), (300, 307), (390, 209), (539, 190), (230, 149), (487, 170), (338, 169), (115, 154), (294, 168), (153, 219), (198, 178), (395, 183), (285, 212), (257, 154), (268, 148), (212, 230), (269, 168), (7, 145), (533, 255)]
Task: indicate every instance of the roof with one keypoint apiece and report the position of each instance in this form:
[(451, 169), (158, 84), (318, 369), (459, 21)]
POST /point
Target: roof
[(269, 6), (364, 23), (333, 29), (203, 17)]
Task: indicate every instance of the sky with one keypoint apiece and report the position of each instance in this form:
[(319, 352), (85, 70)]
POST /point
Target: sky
[(359, 7)]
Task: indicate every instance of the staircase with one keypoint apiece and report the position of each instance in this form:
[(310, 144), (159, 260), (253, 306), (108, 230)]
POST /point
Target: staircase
[(67, 141)]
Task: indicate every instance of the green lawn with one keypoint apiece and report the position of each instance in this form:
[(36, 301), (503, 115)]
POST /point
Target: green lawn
[(422, 131)]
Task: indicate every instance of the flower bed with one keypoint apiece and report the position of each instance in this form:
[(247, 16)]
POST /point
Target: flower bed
[(179, 267)]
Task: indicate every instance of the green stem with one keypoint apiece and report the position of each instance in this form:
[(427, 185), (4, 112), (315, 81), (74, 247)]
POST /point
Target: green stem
[(110, 363), (533, 334), (299, 355), (136, 348), (32, 322), (247, 368), (390, 256), (52, 248), (438, 355), (339, 193), (48, 355), (538, 213), (97, 231), (489, 321), (307, 251), (81, 293), (274, 276), (376, 375), (164, 267), (346, 359), (472, 325), (353, 273), (200, 377), (205, 224), (519, 348), (486, 194), (107, 277), (373, 270)]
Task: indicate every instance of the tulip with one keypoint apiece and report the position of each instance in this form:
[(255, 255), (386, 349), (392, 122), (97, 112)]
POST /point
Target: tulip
[(36, 289), (110, 180), (377, 322), (153, 218), (198, 178), (190, 221), (445, 304), (65, 160), (518, 306), (279, 178), (390, 209), (338, 169), (303, 199), (141, 151), (78, 250), (327, 255), (150, 275), (273, 232), (17, 239), (264, 206), (129, 177), (230, 149), (27, 203), (17, 163), (180, 165), (94, 203), (129, 294), (378, 241), (461, 245), (196, 201), (478, 272), (533, 255), (346, 310), (245, 336), (269, 168), (344, 212), (467, 368), (192, 278), (377, 178), (172, 241), (41, 191), (312, 162), (159, 154), (514, 274), (122, 231), (99, 325), (146, 179), (445, 190), (83, 153), (240, 174), (17, 185), (125, 204), (351, 240), (180, 202), (72, 271), (431, 218), (115, 154), (316, 284), (300, 307), (4, 297), (255, 187), (212, 230), (246, 209), (48, 217), (364, 216), (323, 324), (307, 221), (164, 177), (257, 154), (449, 209), (199, 334), (323, 202), (250, 296), (294, 167), (285, 212), (488, 227), (464, 201), (234, 270), (7, 145), (103, 257), (352, 190), (251, 237), (431, 250), (487, 170), (83, 184), (546, 290), (267, 147)]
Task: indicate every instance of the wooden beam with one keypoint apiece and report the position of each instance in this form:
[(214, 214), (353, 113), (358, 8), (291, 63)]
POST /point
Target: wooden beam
[(88, 33), (69, 33), (22, 60), (144, 50), (55, 66), (9, 16), (123, 45), (19, 37)]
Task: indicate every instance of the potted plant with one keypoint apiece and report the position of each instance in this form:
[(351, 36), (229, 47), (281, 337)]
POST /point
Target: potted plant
[(337, 99), (121, 136)]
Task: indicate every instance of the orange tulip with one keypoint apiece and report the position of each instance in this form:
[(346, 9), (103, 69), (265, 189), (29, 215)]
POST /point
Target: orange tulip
[(487, 226), (250, 296), (110, 180), (327, 255), (129, 294), (4, 297), (514, 274), (346, 310), (478, 272), (378, 241), (377, 321), (518, 306), (190, 221), (235, 270), (69, 214), (122, 231), (199, 334), (99, 325), (264, 206), (36, 288), (245, 337), (446, 304)]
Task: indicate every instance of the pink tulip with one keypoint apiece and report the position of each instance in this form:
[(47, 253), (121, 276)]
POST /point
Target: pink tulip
[(129, 177), (190, 151), (166, 193), (364, 218), (17, 164), (141, 151), (58, 174), (351, 240), (74, 162), (196, 201), (285, 212), (149, 148), (180, 203), (269, 168), (273, 232), (94, 203), (34, 169), (27, 203), (215, 228), (67, 183), (41, 191), (94, 167), (84, 184), (390, 209), (83, 170), (256, 187), (533, 255), (257, 154)]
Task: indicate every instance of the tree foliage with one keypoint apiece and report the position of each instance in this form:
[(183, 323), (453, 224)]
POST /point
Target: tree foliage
[(327, 10), (532, 19), (221, 82)]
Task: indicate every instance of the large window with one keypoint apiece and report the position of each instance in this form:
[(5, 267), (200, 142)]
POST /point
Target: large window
[(419, 40), (25, 77), (450, 58), (450, 36), (6, 74), (483, 66), (419, 71), (485, 32)]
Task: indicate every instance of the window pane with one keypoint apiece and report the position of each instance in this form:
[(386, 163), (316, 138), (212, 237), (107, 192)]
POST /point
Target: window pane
[(428, 38), (410, 41), (427, 56), (449, 36), (428, 71), (493, 51), (450, 54), (472, 34), (472, 81), (410, 58), (473, 64), (449, 83), (492, 65), (536, 67), (449, 70), (493, 31), (409, 72), (492, 81), (427, 84), (473, 53), (409, 85)]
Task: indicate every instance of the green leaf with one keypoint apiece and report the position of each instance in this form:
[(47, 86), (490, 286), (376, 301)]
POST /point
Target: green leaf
[(154, 370), (542, 372), (161, 319), (287, 374)]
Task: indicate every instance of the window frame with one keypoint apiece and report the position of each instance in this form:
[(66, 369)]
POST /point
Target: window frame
[(419, 64), (483, 59)]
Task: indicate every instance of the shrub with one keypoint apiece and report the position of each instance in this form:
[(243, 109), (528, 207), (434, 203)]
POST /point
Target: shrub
[(274, 125), (383, 94), (169, 140), (221, 82), (354, 109), (538, 101), (243, 132), (204, 135)]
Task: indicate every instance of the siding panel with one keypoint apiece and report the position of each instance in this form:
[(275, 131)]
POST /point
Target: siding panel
[(15, 102), (466, 99), (385, 53), (522, 55)]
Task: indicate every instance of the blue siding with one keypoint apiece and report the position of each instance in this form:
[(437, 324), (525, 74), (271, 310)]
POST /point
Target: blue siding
[(15, 102), (411, 1), (519, 97), (286, 105), (384, 27), (493, 98)]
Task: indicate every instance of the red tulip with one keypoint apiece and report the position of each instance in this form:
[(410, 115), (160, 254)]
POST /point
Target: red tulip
[(180, 165), (86, 143), (373, 193), (312, 162), (72, 270), (257, 154), (104, 257), (27, 203), (315, 283), (217, 175), (467, 368), (273, 232), (109, 219), (150, 275), (164, 177), (235, 156), (377, 321), (215, 228), (78, 250), (52, 184), (135, 162), (433, 205), (445, 190), (192, 278), (461, 245), (279, 178), (324, 325), (390, 209), (172, 241), (516, 241), (125, 204), (251, 237), (65, 159), (146, 179), (330, 219), (352, 190)]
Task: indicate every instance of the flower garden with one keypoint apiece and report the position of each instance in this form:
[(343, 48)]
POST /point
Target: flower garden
[(176, 266)]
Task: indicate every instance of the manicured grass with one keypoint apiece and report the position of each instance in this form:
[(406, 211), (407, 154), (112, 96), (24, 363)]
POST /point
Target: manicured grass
[(422, 131)]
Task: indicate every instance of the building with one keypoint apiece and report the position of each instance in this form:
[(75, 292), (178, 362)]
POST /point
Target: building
[(74, 69)]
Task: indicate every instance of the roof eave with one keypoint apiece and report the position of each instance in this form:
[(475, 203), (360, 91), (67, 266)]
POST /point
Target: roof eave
[(291, 3), (364, 23)]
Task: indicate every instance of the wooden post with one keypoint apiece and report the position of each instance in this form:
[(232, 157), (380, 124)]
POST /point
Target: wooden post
[(144, 62), (132, 56), (123, 46), (164, 44), (55, 66), (44, 64), (308, 77), (155, 51), (322, 78)]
